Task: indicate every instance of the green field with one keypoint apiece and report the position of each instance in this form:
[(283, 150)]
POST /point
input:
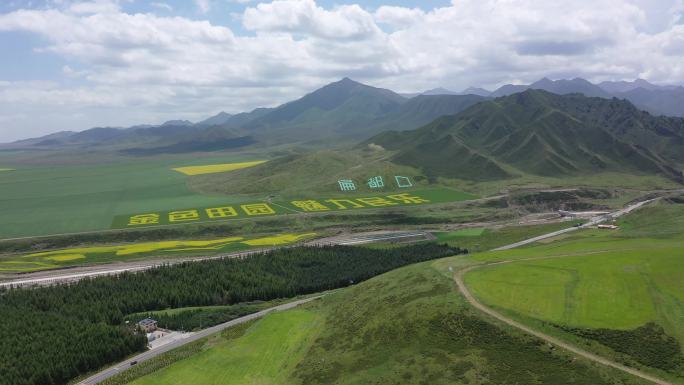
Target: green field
[(132, 251), (598, 283), (348, 202), (611, 289), (481, 238), (457, 235), (45, 197), (40, 199), (405, 327), (264, 355)]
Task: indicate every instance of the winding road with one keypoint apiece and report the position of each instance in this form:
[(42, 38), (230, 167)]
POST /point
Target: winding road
[(458, 277)]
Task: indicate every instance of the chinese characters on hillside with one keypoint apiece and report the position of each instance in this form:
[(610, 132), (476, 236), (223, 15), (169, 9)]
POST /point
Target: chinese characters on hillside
[(374, 183), (273, 208)]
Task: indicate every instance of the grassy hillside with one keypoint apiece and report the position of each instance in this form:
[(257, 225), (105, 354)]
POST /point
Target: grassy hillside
[(620, 289), (264, 355), (543, 134), (308, 174), (404, 327)]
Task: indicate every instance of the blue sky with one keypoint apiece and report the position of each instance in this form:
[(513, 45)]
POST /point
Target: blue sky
[(76, 64)]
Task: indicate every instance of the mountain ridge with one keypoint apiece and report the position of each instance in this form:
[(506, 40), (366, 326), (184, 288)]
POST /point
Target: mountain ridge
[(344, 111), (541, 133)]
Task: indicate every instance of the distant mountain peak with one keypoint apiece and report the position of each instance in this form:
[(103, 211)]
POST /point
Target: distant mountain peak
[(476, 91), (345, 81), (216, 120), (439, 91), (543, 80), (177, 122)]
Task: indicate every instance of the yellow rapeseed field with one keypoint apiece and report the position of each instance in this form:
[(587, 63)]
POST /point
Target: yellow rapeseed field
[(20, 266), (176, 246), (214, 168), (278, 239), (67, 255)]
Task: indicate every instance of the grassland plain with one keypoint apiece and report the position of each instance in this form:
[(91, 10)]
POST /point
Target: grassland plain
[(123, 252), (339, 202), (40, 199), (618, 288), (406, 327)]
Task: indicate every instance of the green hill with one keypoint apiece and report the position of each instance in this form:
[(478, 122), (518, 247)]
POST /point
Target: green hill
[(540, 133), (423, 109), (343, 108), (300, 175), (405, 327), (348, 110)]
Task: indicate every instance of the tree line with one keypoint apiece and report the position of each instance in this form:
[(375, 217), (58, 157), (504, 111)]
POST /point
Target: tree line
[(53, 334)]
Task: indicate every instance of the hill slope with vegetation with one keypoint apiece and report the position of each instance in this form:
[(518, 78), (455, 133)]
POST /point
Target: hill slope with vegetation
[(539, 133), (405, 327), (53, 334)]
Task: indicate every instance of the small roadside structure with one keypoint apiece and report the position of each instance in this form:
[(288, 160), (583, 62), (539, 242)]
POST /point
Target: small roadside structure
[(608, 227), (148, 325)]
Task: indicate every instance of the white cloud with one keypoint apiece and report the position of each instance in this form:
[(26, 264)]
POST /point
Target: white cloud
[(163, 6), (305, 17), (399, 16), (98, 6), (203, 5), (136, 68)]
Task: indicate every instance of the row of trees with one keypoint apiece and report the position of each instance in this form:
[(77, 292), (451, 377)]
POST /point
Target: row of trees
[(51, 335), (199, 318)]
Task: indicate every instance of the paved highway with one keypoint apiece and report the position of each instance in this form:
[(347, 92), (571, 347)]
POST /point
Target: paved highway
[(592, 222), (125, 365), (71, 275), (52, 277)]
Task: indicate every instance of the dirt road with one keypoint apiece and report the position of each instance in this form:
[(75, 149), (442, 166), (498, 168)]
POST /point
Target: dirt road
[(458, 277)]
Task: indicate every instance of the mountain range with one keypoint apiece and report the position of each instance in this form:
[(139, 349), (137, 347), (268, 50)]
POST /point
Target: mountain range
[(341, 112), (659, 100), (541, 133), (344, 111)]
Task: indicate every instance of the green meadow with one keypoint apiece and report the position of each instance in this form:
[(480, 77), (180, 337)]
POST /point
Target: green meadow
[(621, 289), (407, 327), (41, 199), (44, 197), (266, 353)]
